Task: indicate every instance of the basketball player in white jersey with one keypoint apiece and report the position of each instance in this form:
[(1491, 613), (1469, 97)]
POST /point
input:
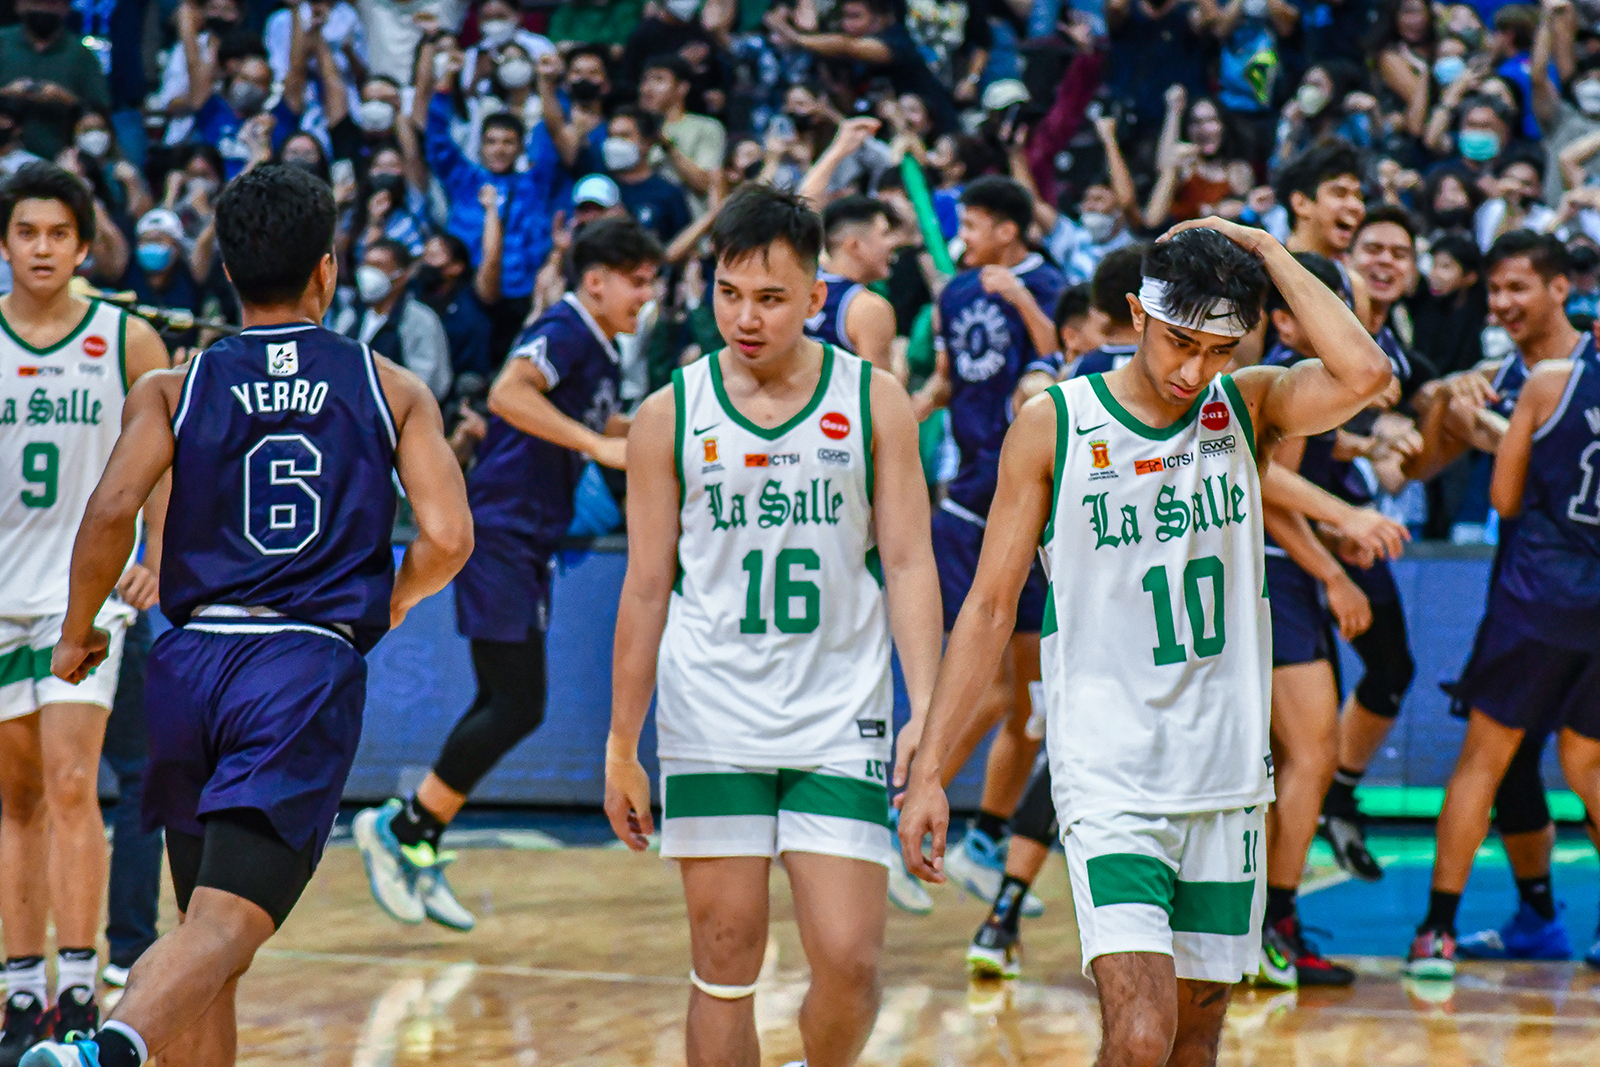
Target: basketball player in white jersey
[(65, 364), (778, 534), (1141, 486)]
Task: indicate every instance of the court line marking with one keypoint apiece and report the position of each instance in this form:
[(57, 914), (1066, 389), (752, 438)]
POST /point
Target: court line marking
[(509, 969)]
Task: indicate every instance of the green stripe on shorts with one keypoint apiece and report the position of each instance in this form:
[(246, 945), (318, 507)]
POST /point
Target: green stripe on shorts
[(24, 665), (1129, 878), (690, 796), (810, 793), (1212, 907)]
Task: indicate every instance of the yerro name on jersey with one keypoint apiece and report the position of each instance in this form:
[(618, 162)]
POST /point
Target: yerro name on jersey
[(75, 407), (1218, 504), (266, 398), (816, 503)]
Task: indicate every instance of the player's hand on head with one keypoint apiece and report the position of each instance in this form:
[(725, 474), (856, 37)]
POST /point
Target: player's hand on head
[(1247, 237), (1350, 606), (139, 587), (628, 801), (71, 661)]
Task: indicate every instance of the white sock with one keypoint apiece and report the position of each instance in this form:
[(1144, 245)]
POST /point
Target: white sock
[(75, 967), (120, 1027), (26, 975)]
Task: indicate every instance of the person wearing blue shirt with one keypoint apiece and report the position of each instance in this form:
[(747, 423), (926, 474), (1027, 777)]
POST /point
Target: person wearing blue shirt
[(659, 205), (445, 282)]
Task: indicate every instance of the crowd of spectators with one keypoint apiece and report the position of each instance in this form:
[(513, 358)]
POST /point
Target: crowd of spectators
[(466, 141)]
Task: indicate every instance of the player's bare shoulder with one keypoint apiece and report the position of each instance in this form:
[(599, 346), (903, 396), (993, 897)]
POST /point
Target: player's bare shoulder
[(406, 393)]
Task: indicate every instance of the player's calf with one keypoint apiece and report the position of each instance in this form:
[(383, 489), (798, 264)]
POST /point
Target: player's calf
[(1138, 1008)]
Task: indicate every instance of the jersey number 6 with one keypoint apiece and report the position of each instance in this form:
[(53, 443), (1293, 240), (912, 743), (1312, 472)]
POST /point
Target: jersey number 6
[(282, 513)]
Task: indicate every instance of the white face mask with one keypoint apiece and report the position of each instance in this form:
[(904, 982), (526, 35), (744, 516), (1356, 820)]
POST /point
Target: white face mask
[(619, 154), (441, 66), (96, 142), (496, 32), (515, 73), (375, 116), (683, 10), (372, 283), (1311, 99), (1098, 225), (1587, 94), (1255, 9)]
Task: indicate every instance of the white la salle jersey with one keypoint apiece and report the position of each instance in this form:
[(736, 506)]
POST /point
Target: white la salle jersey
[(60, 415), (1157, 641), (776, 649)]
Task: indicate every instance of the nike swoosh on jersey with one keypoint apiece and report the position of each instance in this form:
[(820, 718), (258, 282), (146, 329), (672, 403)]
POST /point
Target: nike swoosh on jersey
[(1091, 429), (713, 426)]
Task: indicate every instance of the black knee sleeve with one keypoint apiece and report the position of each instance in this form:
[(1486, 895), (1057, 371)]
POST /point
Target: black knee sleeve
[(183, 856), (1035, 817), (244, 855), (1386, 655), (509, 706), (1519, 804)]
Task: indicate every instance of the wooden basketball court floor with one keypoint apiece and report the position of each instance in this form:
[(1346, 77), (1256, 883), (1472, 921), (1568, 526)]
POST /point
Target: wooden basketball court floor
[(580, 958)]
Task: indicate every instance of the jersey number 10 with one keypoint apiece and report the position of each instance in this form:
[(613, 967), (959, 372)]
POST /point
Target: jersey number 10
[(1168, 650)]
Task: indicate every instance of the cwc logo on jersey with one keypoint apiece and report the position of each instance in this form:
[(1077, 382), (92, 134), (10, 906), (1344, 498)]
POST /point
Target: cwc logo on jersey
[(95, 345), (1217, 446), (710, 447), (1214, 416), (283, 360), (833, 457), (1161, 463), (835, 425)]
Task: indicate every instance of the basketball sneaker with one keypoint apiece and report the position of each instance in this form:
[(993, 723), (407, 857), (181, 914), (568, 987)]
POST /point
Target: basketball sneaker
[(1432, 956), (27, 1022), (76, 1012), (995, 952), (439, 902), (114, 976), (1348, 836), (1277, 968), (78, 1051), (1527, 935), (389, 871), (978, 865), (1311, 967)]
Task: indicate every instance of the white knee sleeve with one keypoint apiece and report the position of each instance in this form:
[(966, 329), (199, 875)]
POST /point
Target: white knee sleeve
[(721, 992)]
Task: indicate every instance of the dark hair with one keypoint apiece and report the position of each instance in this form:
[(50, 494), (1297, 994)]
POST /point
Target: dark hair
[(1004, 198), (1324, 161), (1201, 266), (274, 224), (1520, 22), (507, 121), (590, 50), (877, 7), (1544, 251), (324, 169), (670, 62), (1392, 213), (1506, 115), (455, 248), (42, 180), (1322, 268), (1073, 303), (1121, 272), (853, 211), (1462, 248), (647, 124), (1386, 31), (889, 178), (209, 152), (1513, 156), (397, 251), (757, 215), (1433, 182), (614, 243)]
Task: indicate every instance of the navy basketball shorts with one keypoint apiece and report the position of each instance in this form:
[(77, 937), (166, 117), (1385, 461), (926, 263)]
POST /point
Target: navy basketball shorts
[(956, 544), (1521, 678), (268, 722), (1377, 581), (503, 592), (1300, 631)]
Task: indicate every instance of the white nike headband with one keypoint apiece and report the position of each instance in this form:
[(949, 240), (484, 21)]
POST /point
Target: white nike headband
[(1220, 317)]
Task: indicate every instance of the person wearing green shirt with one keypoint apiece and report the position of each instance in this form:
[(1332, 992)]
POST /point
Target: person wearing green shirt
[(50, 73)]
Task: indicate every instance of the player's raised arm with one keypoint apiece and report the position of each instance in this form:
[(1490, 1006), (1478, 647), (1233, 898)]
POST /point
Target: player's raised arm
[(653, 527), (1535, 404), (905, 545), (1017, 518), (106, 536), (438, 494)]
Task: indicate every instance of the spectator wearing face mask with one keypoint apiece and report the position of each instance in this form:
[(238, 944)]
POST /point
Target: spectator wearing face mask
[(48, 72), (1328, 104), (221, 24), (573, 94), (672, 27), (1102, 223), (393, 210), (161, 274), (1519, 176), (499, 25), (1450, 199), (127, 194), (1483, 128), (1570, 114), (689, 146), (358, 135), (383, 315), (446, 282), (656, 203)]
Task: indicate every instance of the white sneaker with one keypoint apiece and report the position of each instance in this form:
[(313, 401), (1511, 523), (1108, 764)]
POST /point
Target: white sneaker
[(978, 866), (438, 901), (114, 976), (389, 872), (906, 890)]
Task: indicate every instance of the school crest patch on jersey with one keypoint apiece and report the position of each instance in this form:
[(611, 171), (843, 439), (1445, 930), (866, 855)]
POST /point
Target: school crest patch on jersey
[(1100, 451), (283, 360)]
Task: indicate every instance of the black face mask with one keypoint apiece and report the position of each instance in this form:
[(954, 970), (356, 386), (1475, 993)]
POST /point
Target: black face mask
[(802, 123), (753, 171), (1455, 218), (43, 25), (430, 279), (218, 25), (388, 183), (583, 91)]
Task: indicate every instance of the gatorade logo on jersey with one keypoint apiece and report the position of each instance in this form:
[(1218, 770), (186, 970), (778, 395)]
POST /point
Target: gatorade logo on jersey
[(835, 425), (94, 345), (1214, 416), (283, 360)]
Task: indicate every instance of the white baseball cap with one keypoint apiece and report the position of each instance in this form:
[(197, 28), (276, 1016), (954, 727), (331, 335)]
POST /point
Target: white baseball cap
[(1003, 93), (596, 189), (160, 220)]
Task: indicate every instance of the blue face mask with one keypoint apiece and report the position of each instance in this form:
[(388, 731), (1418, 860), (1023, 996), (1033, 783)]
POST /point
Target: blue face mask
[(1446, 69), (155, 257), (1478, 145)]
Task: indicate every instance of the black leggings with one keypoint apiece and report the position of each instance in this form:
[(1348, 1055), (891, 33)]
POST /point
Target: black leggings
[(242, 854), (1385, 651), (1035, 817), (509, 706), (1519, 804)]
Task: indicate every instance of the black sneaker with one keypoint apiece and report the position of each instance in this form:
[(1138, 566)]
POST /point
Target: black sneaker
[(1348, 836), (995, 952), (1311, 966), (27, 1023), (76, 1012)]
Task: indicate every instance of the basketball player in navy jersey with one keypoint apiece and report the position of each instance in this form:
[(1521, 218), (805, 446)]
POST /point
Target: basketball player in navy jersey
[(1528, 288), (1114, 279), (1000, 349), (858, 236), (1536, 666), (283, 444), (553, 408)]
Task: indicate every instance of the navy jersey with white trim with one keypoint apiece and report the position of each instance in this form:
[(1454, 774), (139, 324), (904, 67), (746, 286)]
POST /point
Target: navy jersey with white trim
[(283, 487), (1103, 360), (1513, 373), (827, 325), (524, 484), (989, 350)]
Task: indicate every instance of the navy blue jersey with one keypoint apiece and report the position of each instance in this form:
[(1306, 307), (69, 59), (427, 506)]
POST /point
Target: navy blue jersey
[(1553, 559), (989, 350), (1103, 360), (283, 490), (524, 484), (1338, 476), (827, 325), (1513, 373)]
